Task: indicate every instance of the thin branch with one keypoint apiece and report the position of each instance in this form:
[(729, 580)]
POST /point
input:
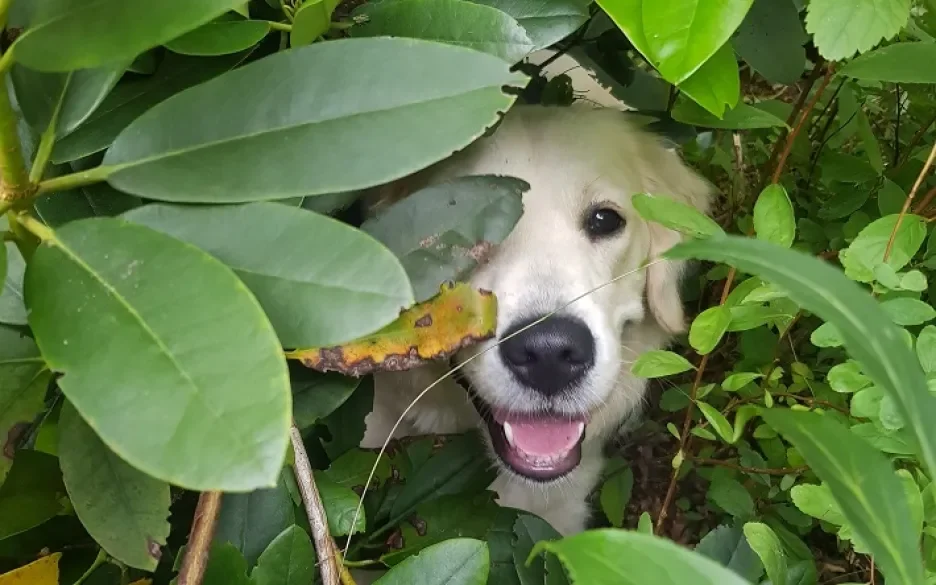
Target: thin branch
[(814, 76), (760, 470), (804, 116), (199, 542), (915, 140), (906, 206), (924, 203)]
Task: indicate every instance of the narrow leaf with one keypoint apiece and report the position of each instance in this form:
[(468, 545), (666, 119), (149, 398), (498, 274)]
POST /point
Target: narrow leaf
[(676, 216), (660, 363)]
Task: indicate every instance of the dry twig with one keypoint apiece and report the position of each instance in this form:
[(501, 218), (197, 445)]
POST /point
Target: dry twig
[(199, 542), (909, 200)]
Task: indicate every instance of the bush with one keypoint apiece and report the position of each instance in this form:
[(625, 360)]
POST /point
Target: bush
[(178, 202)]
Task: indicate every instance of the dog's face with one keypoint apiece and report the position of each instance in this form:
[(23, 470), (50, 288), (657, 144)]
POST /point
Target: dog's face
[(573, 268)]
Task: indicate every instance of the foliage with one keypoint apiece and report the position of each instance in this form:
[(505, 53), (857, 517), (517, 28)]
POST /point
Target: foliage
[(181, 216)]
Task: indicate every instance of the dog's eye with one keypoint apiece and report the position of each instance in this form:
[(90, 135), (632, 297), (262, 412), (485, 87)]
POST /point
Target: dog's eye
[(602, 222)]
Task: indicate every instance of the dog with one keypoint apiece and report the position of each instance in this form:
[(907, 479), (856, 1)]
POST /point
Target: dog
[(548, 398)]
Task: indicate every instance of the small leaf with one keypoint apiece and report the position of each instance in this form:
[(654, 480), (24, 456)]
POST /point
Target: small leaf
[(645, 524), (457, 317), (740, 117), (660, 363), (770, 550), (44, 571), (847, 377), (312, 20), (12, 307), (717, 420), (868, 22), (226, 566), (731, 496), (317, 395), (221, 37), (735, 382), (124, 510), (708, 328), (340, 505), (289, 560), (897, 63), (907, 312), (926, 348), (676, 216), (727, 546), (817, 501), (826, 335), (544, 22), (615, 495), (773, 216), (914, 280), (459, 561)]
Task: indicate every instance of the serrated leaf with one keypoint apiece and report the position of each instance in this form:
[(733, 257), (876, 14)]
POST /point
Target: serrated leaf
[(867, 23), (768, 547), (107, 284), (708, 328), (491, 30), (289, 560), (123, 509), (660, 363), (459, 561), (292, 138), (897, 63), (221, 37), (676, 216), (311, 298), (773, 216)]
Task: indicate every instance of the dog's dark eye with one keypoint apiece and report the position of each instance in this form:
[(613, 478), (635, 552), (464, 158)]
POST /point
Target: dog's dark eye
[(602, 222)]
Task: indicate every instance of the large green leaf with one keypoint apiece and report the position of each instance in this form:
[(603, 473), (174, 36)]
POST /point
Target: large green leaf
[(897, 63), (320, 281), (868, 333), (618, 557), (771, 40), (24, 379), (64, 35), (69, 98), (841, 29), (12, 307), (32, 493), (460, 561), (314, 131), (867, 250), (683, 34), (442, 232), (768, 547), (289, 560), (545, 21), (221, 37), (252, 521), (175, 334), (123, 509), (863, 483), (458, 22)]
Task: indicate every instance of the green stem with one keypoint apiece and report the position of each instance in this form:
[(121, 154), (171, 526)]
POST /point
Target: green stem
[(74, 180), (16, 183), (359, 564), (98, 561), (280, 26), (36, 227), (5, 206), (44, 152)]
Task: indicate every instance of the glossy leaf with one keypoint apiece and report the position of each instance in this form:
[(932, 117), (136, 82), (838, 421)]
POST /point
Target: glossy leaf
[(317, 395), (544, 22), (868, 333), (312, 297), (708, 328), (201, 364), (293, 138), (863, 483), (123, 509), (459, 316), (491, 30), (459, 561), (24, 380), (615, 494), (311, 21), (897, 63), (683, 34), (867, 22), (444, 231), (771, 40), (740, 117), (251, 521), (289, 560), (618, 557), (676, 216), (67, 34), (340, 505), (221, 37), (43, 571), (660, 363), (770, 550), (773, 216)]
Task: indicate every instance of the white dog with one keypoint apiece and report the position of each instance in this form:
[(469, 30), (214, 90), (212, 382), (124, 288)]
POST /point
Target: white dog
[(550, 397)]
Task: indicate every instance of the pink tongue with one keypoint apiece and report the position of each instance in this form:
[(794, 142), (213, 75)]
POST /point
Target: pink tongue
[(545, 436)]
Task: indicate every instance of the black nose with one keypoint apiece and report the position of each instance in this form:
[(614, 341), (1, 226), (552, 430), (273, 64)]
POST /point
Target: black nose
[(550, 356)]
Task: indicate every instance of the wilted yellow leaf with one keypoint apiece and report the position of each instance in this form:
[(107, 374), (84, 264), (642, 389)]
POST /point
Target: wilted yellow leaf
[(455, 318), (143, 582), (44, 571)]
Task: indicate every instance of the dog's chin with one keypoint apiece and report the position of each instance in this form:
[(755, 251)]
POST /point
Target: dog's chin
[(540, 447)]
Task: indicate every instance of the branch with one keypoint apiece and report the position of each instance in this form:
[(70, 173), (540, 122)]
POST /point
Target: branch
[(906, 206), (199, 542), (16, 185), (761, 470), (924, 203)]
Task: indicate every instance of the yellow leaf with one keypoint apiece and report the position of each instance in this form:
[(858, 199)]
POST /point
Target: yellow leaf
[(45, 571), (143, 582), (457, 317)]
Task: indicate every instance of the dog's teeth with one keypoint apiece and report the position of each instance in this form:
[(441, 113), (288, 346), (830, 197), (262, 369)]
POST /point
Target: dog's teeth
[(581, 428), (508, 432)]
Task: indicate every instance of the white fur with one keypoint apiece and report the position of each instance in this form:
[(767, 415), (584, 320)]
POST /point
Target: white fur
[(573, 158)]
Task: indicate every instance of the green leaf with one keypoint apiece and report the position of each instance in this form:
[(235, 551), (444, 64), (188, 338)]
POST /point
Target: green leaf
[(311, 297), (914, 502), (221, 37), (740, 117), (289, 560), (615, 495), (317, 395), (897, 63), (459, 561), (24, 380), (676, 216), (771, 40), (340, 504), (442, 232), (660, 363), (717, 420), (544, 22), (226, 566), (201, 364), (346, 425), (312, 20), (530, 530), (12, 307), (926, 348), (123, 509), (728, 547), (870, 337), (731, 496), (863, 483), (914, 280), (491, 31), (735, 382), (773, 216), (617, 557), (32, 493), (826, 335), (251, 521), (68, 98), (866, 22), (906, 311), (817, 501), (65, 35), (129, 99), (304, 134), (847, 377), (95, 200), (770, 550), (683, 34)]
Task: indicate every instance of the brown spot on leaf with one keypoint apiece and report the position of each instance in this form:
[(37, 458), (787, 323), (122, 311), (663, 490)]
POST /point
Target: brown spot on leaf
[(419, 524), (424, 321), (153, 548), (13, 437), (395, 540)]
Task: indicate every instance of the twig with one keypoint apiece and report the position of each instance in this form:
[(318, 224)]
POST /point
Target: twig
[(914, 140), (812, 402), (804, 116), (760, 470), (906, 206), (740, 184), (800, 104), (199, 542), (924, 203)]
